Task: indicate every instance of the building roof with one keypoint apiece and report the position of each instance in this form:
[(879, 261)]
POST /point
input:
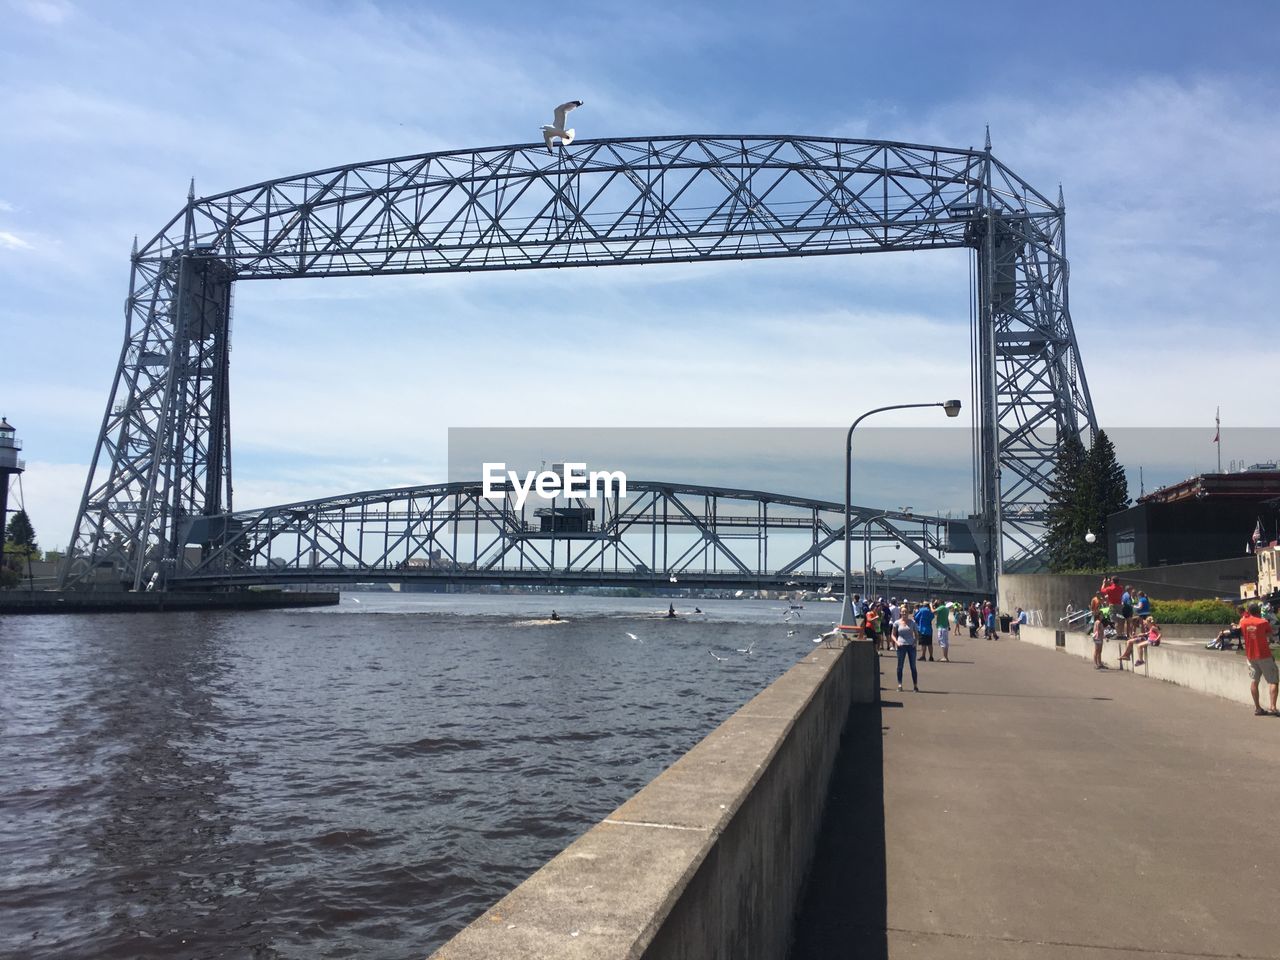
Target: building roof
[(1246, 485)]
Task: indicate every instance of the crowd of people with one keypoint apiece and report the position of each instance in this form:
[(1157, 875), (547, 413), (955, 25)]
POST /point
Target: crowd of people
[(910, 629), (1124, 613)]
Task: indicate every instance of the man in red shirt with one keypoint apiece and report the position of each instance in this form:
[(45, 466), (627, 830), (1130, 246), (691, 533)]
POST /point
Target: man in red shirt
[(1256, 634), (1112, 591)]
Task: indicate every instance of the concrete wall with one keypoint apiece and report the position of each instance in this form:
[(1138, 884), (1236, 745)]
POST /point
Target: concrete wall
[(1051, 592), (709, 859), (1215, 672)]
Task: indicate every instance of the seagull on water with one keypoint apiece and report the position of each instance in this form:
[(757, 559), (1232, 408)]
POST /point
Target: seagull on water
[(556, 129)]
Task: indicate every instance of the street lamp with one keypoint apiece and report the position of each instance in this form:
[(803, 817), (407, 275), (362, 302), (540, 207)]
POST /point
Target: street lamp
[(952, 408), (869, 585), (1090, 537)]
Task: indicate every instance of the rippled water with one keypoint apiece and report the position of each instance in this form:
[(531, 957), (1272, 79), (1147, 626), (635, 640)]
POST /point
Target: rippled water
[(361, 781)]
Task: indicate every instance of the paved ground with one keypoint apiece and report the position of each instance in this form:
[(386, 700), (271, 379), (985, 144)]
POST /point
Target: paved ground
[(1032, 807)]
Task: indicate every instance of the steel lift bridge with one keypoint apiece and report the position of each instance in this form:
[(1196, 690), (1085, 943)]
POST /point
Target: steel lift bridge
[(157, 504)]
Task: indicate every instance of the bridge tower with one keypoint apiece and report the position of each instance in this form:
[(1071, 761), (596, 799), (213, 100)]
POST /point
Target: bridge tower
[(10, 466)]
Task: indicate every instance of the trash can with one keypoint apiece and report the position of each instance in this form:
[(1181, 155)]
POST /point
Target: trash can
[(1005, 620)]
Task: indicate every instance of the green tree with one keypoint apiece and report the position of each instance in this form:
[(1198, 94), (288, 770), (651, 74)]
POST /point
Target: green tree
[(1068, 519), (20, 530), (1088, 487), (1109, 489)]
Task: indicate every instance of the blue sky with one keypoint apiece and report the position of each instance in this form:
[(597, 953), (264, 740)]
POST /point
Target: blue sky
[(1158, 120)]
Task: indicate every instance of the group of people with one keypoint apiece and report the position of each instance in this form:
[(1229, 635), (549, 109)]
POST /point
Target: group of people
[(910, 629), (1126, 613)]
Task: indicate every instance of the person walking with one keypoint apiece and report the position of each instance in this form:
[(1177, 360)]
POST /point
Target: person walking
[(924, 629), (972, 617), (871, 623), (886, 625), (904, 639), (1256, 634), (942, 627)]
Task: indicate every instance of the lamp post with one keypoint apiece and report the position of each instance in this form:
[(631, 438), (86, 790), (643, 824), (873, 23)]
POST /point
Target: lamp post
[(952, 408), (871, 554)]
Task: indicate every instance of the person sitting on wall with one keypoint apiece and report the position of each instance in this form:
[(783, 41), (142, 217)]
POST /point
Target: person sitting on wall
[(1105, 612), (1153, 640), (1228, 637), (1148, 635)]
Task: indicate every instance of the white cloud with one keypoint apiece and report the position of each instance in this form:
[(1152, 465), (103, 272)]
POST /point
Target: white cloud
[(51, 495), (1169, 198), (52, 12)]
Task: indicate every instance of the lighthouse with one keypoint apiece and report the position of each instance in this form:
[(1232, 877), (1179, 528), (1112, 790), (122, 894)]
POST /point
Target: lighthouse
[(10, 466)]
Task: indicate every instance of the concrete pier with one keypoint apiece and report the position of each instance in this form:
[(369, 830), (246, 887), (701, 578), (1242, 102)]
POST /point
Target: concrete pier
[(1034, 808)]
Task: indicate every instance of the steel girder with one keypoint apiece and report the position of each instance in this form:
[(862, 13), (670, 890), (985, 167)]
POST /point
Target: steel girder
[(698, 535), (162, 459)]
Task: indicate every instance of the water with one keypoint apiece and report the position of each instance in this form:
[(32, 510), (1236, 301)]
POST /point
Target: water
[(361, 781)]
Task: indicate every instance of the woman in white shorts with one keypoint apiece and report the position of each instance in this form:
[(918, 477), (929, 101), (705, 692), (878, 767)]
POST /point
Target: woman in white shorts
[(942, 630)]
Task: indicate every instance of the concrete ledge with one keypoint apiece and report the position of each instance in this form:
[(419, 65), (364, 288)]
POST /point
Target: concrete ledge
[(709, 859), (1188, 664)]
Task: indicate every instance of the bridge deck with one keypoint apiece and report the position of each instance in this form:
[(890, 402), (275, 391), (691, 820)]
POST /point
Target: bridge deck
[(1033, 807)]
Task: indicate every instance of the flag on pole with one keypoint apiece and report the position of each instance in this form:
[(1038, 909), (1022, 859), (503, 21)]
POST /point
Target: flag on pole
[(1257, 534), (1217, 426)]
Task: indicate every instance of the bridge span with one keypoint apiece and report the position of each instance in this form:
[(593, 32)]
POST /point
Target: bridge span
[(163, 454), (658, 535)]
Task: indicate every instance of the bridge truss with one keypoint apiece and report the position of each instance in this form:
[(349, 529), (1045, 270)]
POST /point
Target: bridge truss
[(162, 463), (659, 535)]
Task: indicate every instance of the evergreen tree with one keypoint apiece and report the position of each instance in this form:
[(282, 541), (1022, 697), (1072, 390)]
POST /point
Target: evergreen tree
[(1067, 520), (1089, 486), (1110, 489), (20, 531)]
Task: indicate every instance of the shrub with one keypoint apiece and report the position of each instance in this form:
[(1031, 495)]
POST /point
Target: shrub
[(1193, 611)]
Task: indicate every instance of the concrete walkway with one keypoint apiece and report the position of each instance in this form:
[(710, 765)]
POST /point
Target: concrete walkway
[(1032, 807)]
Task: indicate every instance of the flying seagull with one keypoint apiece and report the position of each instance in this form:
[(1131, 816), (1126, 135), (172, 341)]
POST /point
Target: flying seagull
[(634, 637), (719, 659), (556, 129)]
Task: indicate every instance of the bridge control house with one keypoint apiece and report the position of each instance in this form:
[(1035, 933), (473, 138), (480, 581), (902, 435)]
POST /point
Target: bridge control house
[(1209, 517)]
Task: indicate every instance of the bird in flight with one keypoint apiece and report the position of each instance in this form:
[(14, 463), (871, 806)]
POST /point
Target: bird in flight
[(634, 637), (556, 128)]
